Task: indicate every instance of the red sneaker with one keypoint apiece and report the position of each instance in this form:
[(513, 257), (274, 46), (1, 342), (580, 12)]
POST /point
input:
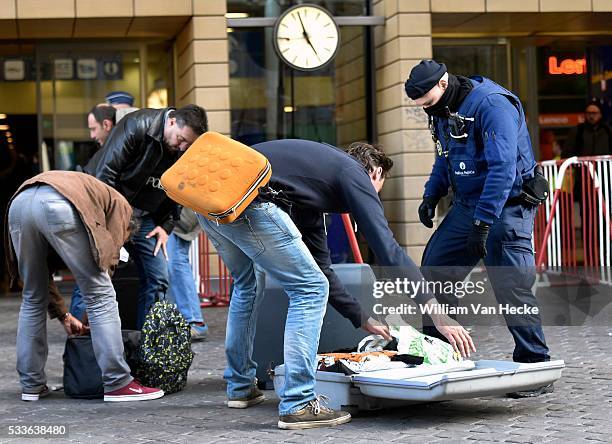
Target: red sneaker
[(133, 392)]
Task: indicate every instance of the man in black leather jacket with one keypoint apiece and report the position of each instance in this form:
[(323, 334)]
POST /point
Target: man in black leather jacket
[(140, 148)]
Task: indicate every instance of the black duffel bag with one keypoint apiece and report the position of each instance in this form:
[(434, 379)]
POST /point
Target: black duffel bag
[(82, 375)]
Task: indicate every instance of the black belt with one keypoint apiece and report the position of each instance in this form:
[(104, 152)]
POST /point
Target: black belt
[(516, 200), (519, 200)]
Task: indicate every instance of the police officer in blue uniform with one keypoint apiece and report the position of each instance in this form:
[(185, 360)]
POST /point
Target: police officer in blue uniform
[(484, 155)]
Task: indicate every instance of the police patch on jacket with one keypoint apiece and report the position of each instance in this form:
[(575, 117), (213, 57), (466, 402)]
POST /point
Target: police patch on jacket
[(464, 168)]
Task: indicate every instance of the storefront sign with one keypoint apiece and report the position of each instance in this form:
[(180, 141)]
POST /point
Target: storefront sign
[(87, 69), (63, 69), (553, 120), (566, 66), (14, 70), (105, 67), (110, 67)]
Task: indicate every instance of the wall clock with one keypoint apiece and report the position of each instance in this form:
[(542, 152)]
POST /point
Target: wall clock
[(306, 37)]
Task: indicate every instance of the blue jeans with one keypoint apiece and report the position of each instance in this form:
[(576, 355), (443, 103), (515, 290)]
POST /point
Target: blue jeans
[(77, 304), (152, 270), (40, 220), (182, 289), (265, 237), (510, 265)]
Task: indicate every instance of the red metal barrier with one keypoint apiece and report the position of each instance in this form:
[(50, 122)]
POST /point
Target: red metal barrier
[(346, 220), (215, 290)]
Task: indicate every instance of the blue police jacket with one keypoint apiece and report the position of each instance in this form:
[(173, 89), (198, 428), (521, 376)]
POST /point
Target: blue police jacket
[(487, 166)]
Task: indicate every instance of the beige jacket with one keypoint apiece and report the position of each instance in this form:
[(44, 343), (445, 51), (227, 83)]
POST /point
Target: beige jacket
[(104, 212)]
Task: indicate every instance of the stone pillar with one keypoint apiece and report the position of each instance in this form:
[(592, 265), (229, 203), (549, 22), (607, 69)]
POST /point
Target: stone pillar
[(202, 72), (349, 87), (400, 44), (203, 63)]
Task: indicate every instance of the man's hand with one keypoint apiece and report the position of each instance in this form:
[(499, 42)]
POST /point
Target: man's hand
[(427, 211), (162, 239), (457, 336), (73, 326), (477, 240), (376, 328)]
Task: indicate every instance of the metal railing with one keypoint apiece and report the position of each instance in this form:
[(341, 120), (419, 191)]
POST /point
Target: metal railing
[(580, 191)]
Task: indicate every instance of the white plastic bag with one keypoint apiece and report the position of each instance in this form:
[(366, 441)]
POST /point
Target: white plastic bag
[(433, 350)]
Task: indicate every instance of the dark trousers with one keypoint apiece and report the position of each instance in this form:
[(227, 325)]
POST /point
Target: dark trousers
[(152, 270), (311, 226), (510, 265)]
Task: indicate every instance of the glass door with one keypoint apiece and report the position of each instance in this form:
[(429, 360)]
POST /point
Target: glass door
[(73, 78), (270, 100), (71, 81)]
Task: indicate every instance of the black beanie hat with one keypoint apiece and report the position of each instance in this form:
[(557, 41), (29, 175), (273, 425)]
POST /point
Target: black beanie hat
[(423, 77)]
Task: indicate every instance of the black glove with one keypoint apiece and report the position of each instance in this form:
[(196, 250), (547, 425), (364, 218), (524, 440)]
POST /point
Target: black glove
[(427, 210), (477, 240)]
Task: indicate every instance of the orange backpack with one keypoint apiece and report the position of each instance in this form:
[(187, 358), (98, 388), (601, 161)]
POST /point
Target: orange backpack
[(217, 177)]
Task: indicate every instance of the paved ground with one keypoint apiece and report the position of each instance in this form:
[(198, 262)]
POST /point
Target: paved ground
[(579, 411)]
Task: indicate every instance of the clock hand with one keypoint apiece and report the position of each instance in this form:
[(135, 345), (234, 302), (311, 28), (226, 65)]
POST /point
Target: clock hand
[(304, 33), (306, 36)]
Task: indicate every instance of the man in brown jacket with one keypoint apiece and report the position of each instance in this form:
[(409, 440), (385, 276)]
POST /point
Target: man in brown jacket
[(83, 222)]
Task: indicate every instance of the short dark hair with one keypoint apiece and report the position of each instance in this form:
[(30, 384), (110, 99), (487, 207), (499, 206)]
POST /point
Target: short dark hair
[(371, 156), (193, 116), (103, 112), (594, 102)]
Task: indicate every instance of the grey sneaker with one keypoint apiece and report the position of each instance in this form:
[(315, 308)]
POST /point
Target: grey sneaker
[(313, 415), (35, 396), (198, 332), (254, 398)]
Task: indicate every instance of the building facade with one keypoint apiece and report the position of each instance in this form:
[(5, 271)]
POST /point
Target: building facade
[(59, 58)]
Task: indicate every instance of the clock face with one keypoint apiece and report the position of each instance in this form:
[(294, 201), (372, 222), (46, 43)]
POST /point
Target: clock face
[(306, 37)]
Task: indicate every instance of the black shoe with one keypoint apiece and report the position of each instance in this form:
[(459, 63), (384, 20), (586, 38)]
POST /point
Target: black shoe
[(312, 416), (532, 393)]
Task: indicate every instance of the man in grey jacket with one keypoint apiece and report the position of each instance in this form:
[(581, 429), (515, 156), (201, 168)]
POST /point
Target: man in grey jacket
[(182, 288)]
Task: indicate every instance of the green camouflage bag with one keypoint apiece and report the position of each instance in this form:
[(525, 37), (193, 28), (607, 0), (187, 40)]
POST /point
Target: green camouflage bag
[(164, 355)]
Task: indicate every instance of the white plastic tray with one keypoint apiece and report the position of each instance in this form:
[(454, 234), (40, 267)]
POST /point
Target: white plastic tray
[(488, 378), (391, 388)]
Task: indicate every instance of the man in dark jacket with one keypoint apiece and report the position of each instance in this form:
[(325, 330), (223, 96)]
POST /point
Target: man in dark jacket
[(142, 146), (591, 138), (311, 178)]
